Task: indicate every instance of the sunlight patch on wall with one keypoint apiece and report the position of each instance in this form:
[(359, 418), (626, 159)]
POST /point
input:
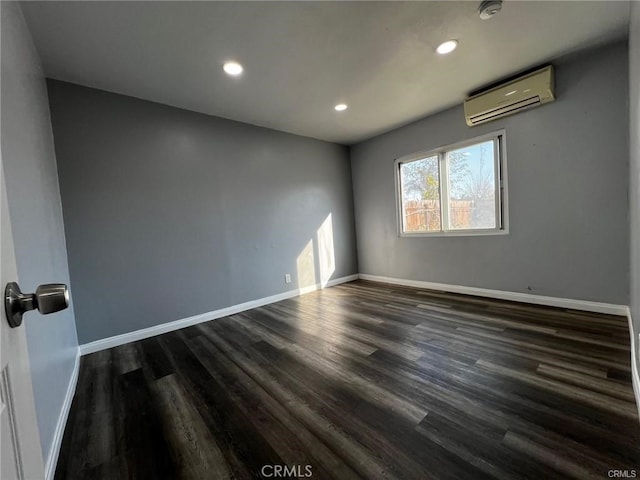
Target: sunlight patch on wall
[(305, 264), (326, 252)]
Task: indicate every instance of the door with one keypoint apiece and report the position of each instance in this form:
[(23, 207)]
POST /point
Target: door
[(20, 451)]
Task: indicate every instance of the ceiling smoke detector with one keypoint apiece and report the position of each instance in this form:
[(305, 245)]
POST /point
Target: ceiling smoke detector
[(489, 8)]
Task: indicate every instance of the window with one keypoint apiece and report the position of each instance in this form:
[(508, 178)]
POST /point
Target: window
[(455, 190)]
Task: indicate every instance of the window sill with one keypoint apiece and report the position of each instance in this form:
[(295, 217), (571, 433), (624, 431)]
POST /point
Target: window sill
[(458, 233)]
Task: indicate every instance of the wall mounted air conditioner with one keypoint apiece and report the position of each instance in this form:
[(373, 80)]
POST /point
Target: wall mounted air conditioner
[(525, 92)]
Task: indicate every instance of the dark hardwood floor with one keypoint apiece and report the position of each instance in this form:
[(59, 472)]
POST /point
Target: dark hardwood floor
[(362, 380)]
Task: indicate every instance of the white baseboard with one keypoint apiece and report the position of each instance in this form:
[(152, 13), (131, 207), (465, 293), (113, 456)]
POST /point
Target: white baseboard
[(585, 305), (52, 460), (204, 317), (635, 378)]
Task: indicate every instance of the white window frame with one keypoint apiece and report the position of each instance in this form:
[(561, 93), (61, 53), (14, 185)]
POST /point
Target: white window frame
[(502, 209)]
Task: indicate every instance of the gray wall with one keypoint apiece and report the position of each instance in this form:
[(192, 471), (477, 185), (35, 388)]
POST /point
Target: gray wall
[(634, 147), (568, 170), (36, 216), (170, 213)]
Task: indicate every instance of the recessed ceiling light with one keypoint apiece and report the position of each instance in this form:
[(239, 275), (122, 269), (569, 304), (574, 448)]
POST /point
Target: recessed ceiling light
[(341, 107), (233, 68), (447, 47)]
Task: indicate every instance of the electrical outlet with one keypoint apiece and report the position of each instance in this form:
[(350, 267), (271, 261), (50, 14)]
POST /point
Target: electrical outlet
[(287, 278)]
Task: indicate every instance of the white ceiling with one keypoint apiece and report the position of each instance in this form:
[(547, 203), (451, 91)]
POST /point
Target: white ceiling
[(302, 58)]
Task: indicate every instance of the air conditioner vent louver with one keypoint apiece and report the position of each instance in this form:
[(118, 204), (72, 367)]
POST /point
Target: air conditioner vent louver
[(513, 97), (502, 111)]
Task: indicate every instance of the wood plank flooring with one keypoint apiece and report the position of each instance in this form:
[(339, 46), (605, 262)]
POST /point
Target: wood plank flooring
[(362, 381)]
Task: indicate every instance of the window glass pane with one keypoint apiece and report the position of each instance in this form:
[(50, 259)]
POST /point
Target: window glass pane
[(472, 189), (420, 190)]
